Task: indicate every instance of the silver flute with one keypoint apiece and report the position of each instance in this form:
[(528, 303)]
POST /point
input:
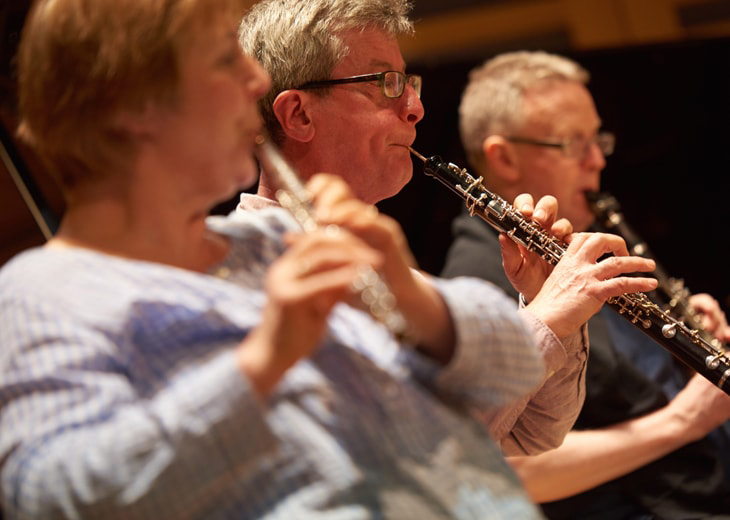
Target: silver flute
[(683, 342), (292, 195)]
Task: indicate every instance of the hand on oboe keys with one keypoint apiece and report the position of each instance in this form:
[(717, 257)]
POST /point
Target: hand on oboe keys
[(567, 295), (711, 316)]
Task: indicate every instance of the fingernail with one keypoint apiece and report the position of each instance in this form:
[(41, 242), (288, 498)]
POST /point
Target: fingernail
[(540, 214)]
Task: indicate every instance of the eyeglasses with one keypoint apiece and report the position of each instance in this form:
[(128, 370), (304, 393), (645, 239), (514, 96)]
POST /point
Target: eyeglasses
[(391, 82), (577, 147)]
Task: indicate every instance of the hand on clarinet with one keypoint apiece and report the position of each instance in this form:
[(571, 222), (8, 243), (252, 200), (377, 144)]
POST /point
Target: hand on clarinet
[(566, 295), (527, 271)]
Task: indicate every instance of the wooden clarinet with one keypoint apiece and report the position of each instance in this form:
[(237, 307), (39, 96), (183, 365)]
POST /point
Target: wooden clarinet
[(671, 293), (683, 342)]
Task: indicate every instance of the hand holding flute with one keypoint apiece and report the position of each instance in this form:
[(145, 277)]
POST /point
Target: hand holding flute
[(394, 293), (374, 294)]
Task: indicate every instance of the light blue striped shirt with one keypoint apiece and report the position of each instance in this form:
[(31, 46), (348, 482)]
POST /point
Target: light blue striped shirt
[(120, 398)]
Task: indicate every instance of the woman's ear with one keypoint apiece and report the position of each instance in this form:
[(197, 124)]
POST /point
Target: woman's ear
[(292, 110)]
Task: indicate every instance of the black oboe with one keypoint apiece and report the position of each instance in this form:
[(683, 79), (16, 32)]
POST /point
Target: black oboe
[(682, 341)]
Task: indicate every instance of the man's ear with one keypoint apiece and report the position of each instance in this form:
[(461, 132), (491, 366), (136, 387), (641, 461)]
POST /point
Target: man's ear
[(292, 109), (501, 157)]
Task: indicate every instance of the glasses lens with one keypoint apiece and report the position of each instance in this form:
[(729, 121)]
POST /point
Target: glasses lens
[(606, 142), (580, 147), (577, 148), (393, 84), (415, 81)]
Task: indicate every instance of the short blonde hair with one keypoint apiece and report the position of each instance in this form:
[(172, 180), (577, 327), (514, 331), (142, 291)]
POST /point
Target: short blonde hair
[(83, 62), (492, 102)]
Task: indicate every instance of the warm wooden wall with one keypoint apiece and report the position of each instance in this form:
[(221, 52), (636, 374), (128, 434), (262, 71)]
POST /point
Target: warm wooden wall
[(584, 24)]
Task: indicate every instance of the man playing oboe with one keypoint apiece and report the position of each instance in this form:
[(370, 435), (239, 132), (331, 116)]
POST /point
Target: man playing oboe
[(343, 102), (647, 442)]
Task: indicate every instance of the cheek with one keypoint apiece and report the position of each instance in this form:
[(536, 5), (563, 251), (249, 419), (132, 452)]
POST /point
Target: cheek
[(542, 177), (228, 100), (249, 173), (556, 176)]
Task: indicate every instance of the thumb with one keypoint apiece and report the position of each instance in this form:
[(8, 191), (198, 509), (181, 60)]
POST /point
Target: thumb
[(511, 255)]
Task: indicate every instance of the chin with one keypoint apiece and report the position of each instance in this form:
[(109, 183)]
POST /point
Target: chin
[(582, 223), (248, 175), (395, 189), (406, 177)]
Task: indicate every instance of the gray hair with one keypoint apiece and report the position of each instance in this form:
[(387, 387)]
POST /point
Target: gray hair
[(492, 102), (297, 41)]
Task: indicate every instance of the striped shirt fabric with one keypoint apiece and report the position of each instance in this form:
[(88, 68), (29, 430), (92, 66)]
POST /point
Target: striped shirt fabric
[(120, 397)]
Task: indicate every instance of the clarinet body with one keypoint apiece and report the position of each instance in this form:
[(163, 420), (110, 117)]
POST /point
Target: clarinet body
[(374, 294), (682, 341), (671, 293)]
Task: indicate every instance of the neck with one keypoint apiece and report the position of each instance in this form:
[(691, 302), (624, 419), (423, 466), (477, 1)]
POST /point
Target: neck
[(133, 226), (266, 188), (299, 157)]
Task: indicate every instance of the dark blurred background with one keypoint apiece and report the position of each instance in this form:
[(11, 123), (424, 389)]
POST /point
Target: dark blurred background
[(659, 77)]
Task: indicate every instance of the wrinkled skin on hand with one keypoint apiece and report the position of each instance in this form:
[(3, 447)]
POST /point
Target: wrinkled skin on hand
[(565, 296)]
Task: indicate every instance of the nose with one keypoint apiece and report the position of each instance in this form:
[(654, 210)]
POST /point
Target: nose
[(412, 107), (257, 81), (594, 158)]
